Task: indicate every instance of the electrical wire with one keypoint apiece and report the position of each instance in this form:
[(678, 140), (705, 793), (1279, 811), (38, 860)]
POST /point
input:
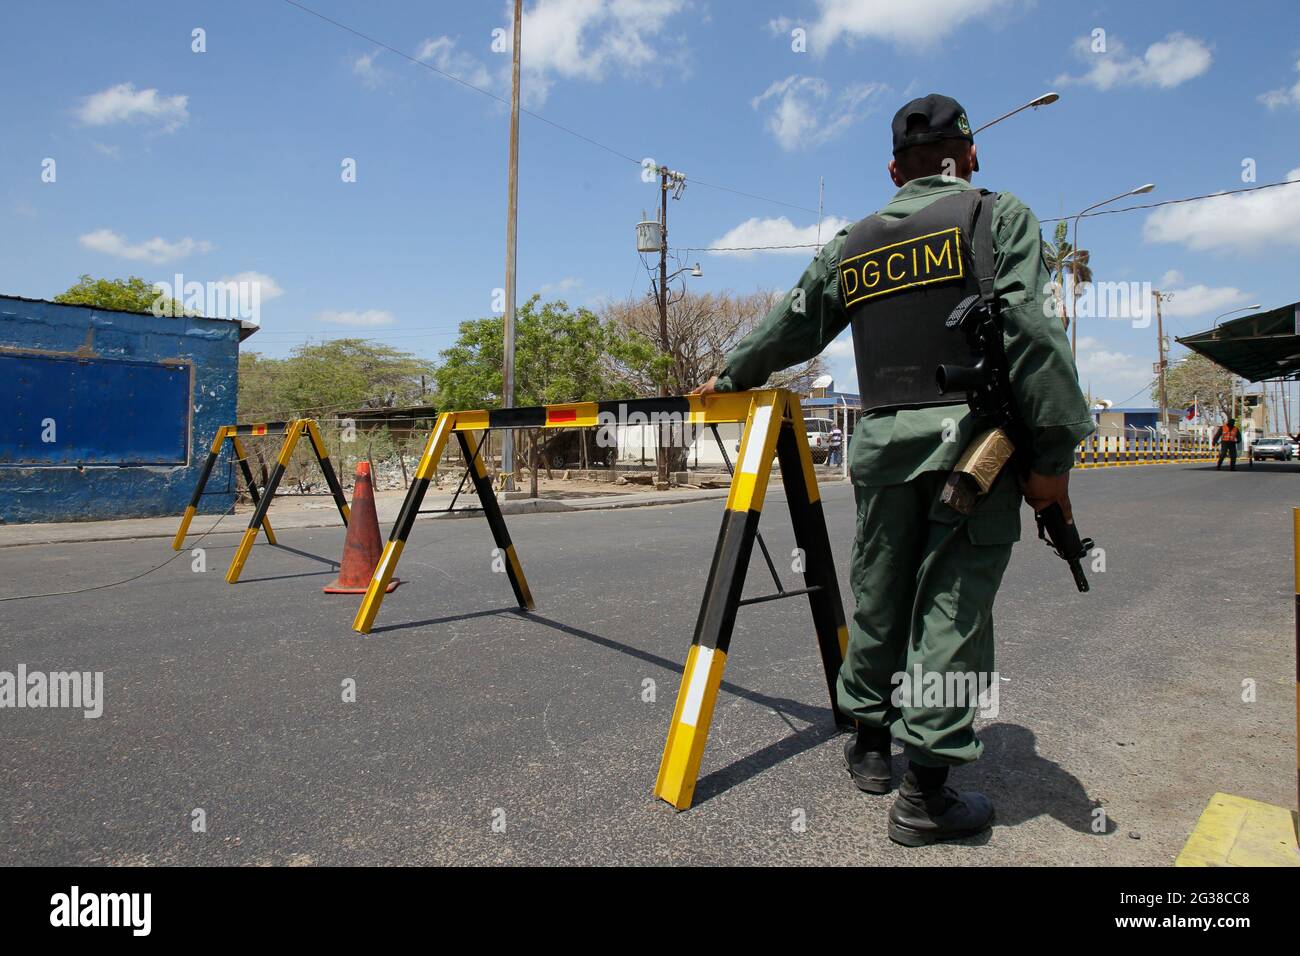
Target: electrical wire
[(796, 245), (134, 577), (523, 110), (1102, 212), (1173, 202)]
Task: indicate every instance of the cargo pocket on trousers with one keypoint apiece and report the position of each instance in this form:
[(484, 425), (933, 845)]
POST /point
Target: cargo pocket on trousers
[(968, 601), (993, 527)]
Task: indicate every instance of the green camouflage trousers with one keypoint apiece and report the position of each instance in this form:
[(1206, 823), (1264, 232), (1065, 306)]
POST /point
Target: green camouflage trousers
[(924, 578)]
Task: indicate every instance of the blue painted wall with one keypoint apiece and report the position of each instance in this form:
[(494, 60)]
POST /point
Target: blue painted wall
[(208, 348)]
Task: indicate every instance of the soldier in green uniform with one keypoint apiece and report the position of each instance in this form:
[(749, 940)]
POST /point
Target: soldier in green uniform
[(923, 575)]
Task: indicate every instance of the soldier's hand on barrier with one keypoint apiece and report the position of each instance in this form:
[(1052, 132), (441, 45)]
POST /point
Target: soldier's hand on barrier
[(705, 389), (1042, 490)]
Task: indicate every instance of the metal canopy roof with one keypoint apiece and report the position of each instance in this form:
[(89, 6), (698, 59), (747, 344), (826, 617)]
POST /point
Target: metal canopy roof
[(1256, 347)]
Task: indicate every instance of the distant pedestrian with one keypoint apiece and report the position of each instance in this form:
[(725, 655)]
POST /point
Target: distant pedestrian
[(1226, 436), (836, 446)]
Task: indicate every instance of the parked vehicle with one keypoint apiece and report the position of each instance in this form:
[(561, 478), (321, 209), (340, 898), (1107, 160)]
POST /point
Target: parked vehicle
[(1275, 449), (819, 437), (563, 449)]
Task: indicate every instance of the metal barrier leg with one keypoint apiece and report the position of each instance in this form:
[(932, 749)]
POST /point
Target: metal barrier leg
[(179, 541), (812, 539), (707, 657), (291, 436), (433, 449), (242, 457), (492, 511)]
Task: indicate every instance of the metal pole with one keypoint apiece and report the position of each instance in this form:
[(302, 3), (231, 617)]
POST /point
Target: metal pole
[(1160, 344), (512, 217), (662, 472), (1074, 292)]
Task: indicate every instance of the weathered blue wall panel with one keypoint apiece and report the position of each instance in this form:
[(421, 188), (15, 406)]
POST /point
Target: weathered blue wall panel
[(59, 491), (83, 411)]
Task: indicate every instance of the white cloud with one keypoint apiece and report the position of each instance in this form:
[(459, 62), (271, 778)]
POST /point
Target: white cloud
[(567, 284), (802, 113), (368, 317), (268, 288), (1241, 222), (585, 39), (125, 104), (1165, 64), (156, 250), (918, 23), (112, 152), (372, 77), (1182, 301), (777, 232), (1113, 368), (840, 348), (441, 52), (1283, 96)]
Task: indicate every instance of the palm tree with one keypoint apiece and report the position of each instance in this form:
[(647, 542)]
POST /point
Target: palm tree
[(1060, 256)]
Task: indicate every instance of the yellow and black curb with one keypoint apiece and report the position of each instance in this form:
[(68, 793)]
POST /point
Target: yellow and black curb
[(1106, 451)]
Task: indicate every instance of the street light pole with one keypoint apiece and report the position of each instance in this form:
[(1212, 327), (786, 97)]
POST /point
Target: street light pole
[(1074, 285), (1245, 308), (1045, 100)]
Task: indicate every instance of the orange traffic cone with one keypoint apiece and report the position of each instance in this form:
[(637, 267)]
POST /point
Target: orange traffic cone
[(361, 547)]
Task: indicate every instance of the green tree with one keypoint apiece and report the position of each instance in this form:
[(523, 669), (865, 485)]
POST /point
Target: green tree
[(702, 329), (1197, 379), (260, 383), (348, 373), (131, 294), (561, 355)]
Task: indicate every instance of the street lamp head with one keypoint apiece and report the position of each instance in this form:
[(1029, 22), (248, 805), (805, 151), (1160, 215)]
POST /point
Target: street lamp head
[(696, 272), (1045, 100), (1143, 189)]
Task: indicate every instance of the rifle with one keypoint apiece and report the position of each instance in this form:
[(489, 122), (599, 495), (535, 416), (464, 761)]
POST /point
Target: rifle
[(1003, 436)]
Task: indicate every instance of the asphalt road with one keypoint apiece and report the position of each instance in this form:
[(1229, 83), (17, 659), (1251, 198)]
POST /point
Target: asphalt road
[(469, 715)]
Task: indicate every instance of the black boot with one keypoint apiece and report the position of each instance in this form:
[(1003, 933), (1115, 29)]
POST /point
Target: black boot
[(867, 757), (926, 811)]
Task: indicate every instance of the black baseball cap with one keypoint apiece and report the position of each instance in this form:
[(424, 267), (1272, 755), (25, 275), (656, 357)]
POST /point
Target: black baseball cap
[(942, 117)]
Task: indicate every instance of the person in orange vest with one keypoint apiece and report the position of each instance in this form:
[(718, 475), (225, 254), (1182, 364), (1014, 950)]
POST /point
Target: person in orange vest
[(1226, 436)]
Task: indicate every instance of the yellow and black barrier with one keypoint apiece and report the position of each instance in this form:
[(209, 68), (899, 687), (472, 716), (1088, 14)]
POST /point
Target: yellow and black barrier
[(292, 430), (773, 427), (224, 433)]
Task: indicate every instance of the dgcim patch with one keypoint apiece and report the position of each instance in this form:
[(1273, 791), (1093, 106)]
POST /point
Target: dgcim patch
[(902, 265)]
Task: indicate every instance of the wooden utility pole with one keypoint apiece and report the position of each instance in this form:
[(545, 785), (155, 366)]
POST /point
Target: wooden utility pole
[(661, 476), (512, 218), (1160, 353)]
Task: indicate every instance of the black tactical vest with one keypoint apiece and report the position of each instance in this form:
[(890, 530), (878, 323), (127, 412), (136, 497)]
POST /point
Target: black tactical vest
[(899, 280)]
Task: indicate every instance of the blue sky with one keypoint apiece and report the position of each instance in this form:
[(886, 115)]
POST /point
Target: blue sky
[(228, 162)]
